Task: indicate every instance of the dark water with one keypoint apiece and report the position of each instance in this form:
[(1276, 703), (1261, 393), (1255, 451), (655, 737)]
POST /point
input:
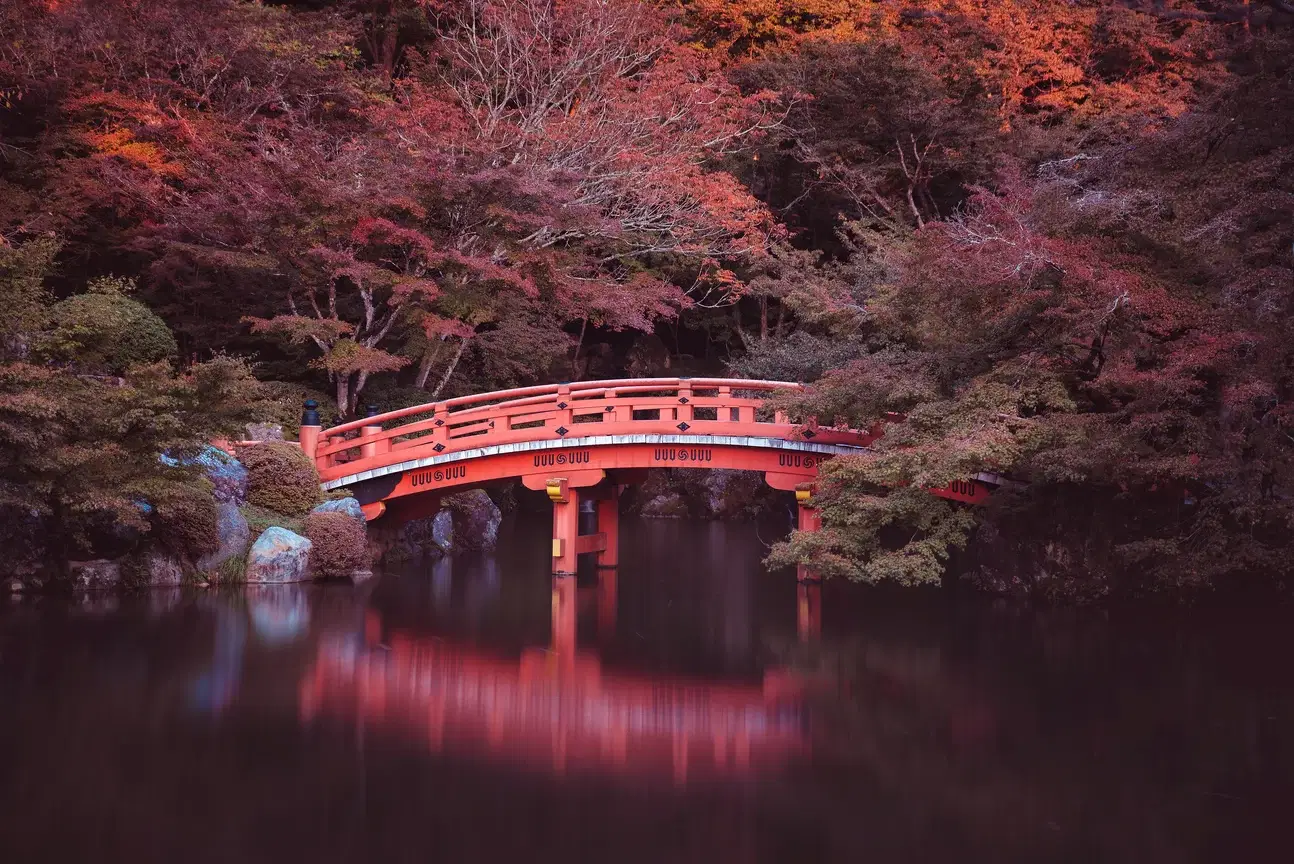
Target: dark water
[(688, 713)]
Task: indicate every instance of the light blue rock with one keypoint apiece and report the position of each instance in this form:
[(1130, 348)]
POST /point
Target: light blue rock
[(442, 530), (278, 556), (349, 506), (225, 472), (234, 537)]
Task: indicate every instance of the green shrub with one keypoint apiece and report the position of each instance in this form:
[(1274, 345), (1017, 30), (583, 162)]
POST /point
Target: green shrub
[(339, 544), (105, 331), (258, 519), (284, 401), (188, 522), (280, 478)]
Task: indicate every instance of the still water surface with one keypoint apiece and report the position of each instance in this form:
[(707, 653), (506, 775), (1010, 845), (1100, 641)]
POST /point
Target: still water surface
[(692, 708)]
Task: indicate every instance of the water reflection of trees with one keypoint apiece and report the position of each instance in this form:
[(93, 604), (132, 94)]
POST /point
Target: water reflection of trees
[(1037, 733)]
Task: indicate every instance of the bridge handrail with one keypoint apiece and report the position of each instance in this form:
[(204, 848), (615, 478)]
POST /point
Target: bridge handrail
[(518, 396)]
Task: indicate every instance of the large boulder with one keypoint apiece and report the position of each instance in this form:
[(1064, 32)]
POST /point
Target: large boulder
[(95, 575), (668, 505), (277, 556), (264, 432), (733, 494), (442, 530), (163, 569), (227, 474), (349, 506), (476, 519), (235, 536), (420, 538)]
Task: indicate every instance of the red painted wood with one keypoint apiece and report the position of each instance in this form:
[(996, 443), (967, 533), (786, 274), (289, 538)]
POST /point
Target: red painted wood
[(586, 543), (698, 407)]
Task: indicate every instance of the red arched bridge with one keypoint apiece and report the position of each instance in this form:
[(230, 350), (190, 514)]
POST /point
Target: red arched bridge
[(583, 440)]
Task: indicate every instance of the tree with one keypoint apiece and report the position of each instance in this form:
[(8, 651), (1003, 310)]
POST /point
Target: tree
[(76, 447)]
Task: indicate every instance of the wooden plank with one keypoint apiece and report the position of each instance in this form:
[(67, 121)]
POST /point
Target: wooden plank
[(590, 543)]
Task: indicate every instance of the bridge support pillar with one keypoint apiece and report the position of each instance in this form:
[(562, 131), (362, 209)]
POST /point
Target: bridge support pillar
[(609, 525), (566, 526), (809, 610), (808, 519), (565, 614)]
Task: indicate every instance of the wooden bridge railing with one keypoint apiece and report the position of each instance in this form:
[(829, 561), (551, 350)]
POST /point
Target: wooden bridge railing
[(697, 406)]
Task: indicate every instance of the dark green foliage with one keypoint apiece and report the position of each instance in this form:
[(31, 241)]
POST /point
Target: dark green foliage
[(280, 478), (187, 520), (106, 332), (339, 544), (82, 451), (259, 518)]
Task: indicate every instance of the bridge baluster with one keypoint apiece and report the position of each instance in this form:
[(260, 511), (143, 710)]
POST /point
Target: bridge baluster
[(684, 411), (563, 420), (440, 432)]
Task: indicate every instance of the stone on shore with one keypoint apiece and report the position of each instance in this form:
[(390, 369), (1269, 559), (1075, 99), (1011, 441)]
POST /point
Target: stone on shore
[(235, 535), (278, 556), (95, 575), (349, 506), (669, 505), (476, 520)]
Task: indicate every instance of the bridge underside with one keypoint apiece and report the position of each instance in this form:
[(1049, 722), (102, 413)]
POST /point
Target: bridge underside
[(585, 461)]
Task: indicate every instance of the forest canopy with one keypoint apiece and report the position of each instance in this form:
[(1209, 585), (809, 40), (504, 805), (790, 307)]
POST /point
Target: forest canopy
[(1049, 240)]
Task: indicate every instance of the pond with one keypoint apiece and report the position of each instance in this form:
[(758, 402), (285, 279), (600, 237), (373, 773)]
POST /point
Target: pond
[(690, 706)]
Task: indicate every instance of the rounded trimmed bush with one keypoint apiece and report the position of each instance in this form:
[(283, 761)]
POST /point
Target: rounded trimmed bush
[(188, 521), (280, 478), (339, 544), (106, 331)]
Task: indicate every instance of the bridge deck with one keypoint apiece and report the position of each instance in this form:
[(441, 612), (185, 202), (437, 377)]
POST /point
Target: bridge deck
[(698, 408)]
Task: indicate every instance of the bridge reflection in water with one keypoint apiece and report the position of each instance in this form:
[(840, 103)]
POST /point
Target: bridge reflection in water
[(557, 709)]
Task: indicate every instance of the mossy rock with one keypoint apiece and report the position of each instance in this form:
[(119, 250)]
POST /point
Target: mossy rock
[(280, 478)]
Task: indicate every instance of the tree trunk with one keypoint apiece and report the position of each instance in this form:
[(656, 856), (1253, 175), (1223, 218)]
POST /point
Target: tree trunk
[(579, 343), (343, 395), (453, 364), (424, 365)]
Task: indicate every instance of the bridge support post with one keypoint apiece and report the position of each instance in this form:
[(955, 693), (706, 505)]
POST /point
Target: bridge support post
[(808, 519), (566, 526), (308, 437), (809, 610), (565, 614), (609, 524)]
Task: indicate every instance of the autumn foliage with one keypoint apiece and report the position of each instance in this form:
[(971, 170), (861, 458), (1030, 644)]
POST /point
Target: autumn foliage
[(1052, 239)]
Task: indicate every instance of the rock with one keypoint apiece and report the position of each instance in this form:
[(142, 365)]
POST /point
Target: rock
[(279, 555), (733, 494), (361, 576), (95, 575), (442, 530), (476, 520), (349, 506), (234, 537), (264, 432), (419, 538), (14, 586), (669, 505), (163, 570), (225, 472)]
